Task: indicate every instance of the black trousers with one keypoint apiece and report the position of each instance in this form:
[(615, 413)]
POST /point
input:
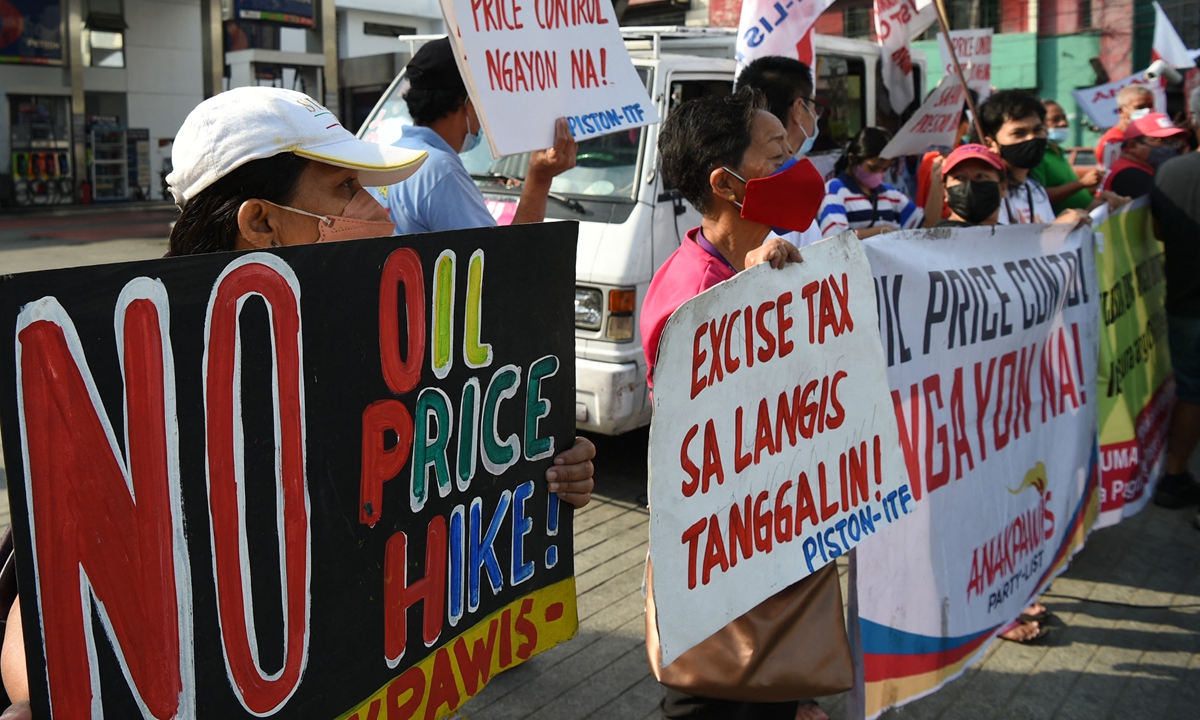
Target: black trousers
[(678, 705)]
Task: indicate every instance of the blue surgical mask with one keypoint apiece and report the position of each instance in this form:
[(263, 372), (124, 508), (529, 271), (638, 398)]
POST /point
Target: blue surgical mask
[(471, 139), (1059, 135), (807, 146)]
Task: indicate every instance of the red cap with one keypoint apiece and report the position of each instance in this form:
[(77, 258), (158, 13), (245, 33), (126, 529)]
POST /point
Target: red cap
[(972, 151), (1154, 125)]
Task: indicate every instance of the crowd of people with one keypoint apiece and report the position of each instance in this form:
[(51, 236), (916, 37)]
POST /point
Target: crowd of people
[(240, 187)]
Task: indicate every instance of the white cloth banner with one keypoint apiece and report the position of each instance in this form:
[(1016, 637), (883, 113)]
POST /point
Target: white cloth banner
[(527, 64), (1168, 46), (933, 125), (974, 51), (773, 448), (1100, 101), (777, 27), (991, 337)]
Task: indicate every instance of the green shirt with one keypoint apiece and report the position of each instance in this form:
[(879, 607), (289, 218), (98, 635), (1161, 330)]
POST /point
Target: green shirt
[(1055, 171)]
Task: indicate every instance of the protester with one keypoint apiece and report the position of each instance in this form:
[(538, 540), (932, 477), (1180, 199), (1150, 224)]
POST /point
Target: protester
[(1014, 127), (1133, 102), (259, 167), (1150, 141), (1065, 188), (787, 85), (929, 172), (973, 181), (1175, 205), (710, 147), (442, 196), (858, 199)]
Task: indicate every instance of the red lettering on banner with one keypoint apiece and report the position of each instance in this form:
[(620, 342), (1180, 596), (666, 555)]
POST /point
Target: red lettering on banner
[(958, 424), (443, 688), (932, 387), (741, 532), (403, 266), (910, 433), (399, 594), (983, 393), (691, 538), (133, 553), (475, 665), (259, 692), (699, 355), (806, 508), (379, 462), (689, 488)]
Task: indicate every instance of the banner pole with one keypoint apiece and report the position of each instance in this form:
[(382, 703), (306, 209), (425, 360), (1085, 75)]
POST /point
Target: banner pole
[(940, 6)]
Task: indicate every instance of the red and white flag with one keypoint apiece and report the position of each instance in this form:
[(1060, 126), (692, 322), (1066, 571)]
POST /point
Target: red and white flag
[(778, 27), (896, 22), (1168, 47)]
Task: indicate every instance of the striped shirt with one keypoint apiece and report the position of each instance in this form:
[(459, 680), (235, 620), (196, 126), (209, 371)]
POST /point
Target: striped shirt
[(847, 206)]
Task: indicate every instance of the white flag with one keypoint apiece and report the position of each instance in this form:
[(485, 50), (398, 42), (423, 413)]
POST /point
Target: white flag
[(895, 22), (777, 27), (1167, 44)]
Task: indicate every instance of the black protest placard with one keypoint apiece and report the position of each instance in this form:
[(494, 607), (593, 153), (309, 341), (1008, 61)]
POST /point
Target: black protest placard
[(300, 483)]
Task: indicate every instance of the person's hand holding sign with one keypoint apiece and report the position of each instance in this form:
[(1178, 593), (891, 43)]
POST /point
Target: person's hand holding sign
[(544, 166), (776, 251), (571, 475)]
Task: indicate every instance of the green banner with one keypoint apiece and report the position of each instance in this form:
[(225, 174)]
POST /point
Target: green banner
[(1135, 379)]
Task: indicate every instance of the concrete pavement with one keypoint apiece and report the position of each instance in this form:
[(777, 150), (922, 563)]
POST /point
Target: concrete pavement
[(1127, 644)]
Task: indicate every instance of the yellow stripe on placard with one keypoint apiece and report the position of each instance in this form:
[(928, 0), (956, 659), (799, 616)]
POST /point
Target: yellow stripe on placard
[(458, 669)]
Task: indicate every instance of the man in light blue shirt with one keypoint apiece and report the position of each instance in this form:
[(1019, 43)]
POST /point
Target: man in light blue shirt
[(442, 195)]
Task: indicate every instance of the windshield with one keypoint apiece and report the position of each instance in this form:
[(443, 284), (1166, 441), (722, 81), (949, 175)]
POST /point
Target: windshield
[(606, 166)]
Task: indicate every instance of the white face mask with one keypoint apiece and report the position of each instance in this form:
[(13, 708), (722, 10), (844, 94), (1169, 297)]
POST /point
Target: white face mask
[(1139, 114)]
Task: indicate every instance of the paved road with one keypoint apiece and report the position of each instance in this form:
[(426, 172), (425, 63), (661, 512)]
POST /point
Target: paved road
[(1128, 643)]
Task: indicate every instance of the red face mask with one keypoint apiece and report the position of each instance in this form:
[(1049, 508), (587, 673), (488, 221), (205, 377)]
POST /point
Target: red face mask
[(787, 201)]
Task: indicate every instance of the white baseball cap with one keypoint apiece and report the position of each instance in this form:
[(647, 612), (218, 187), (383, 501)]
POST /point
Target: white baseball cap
[(237, 126)]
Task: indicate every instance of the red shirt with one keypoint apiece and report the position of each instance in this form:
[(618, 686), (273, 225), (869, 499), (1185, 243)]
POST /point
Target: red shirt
[(1125, 163), (1111, 135), (688, 272)]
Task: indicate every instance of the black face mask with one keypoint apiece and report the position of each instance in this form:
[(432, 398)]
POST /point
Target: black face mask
[(1025, 155), (974, 200)]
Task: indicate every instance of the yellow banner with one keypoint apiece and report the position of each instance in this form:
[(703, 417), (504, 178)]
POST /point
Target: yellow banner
[(458, 669)]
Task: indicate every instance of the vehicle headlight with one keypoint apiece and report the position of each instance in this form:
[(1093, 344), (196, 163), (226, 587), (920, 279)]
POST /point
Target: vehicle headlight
[(589, 308)]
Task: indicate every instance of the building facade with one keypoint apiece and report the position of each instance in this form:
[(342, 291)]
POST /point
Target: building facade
[(92, 92)]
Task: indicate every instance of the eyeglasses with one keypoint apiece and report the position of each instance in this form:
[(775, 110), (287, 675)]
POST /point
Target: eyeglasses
[(816, 109)]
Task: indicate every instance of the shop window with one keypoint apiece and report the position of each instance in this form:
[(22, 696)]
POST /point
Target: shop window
[(104, 33), (857, 21)]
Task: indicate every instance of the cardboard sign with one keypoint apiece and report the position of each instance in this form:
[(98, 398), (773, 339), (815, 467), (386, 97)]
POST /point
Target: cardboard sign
[(528, 63), (1100, 102), (974, 51), (991, 337), (934, 124), (774, 446), (297, 483)]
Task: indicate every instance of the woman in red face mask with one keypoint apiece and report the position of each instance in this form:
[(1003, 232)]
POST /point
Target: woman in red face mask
[(729, 157)]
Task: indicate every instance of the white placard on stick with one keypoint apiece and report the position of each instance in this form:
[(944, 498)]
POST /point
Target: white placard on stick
[(774, 446), (934, 124), (974, 51), (528, 62), (1100, 102)]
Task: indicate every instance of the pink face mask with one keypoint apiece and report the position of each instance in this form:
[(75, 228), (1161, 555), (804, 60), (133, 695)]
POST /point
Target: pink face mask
[(868, 180), (363, 218)]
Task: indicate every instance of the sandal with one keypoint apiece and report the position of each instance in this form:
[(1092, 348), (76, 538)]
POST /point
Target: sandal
[(1039, 638)]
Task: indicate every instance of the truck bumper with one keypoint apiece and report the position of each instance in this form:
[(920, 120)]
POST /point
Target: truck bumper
[(610, 398)]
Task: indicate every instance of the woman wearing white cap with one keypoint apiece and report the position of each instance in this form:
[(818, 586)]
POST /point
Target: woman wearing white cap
[(266, 167)]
